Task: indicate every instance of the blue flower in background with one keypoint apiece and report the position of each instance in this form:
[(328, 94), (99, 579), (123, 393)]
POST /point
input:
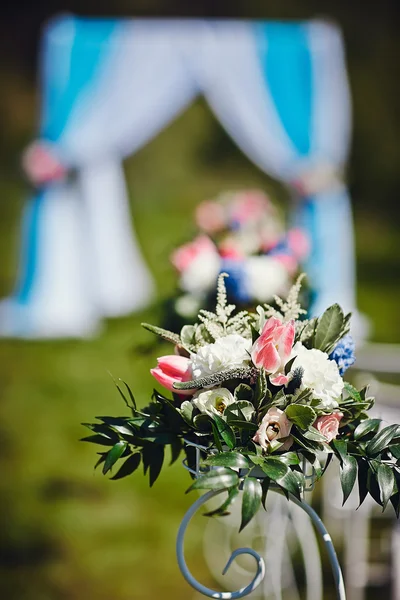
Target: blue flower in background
[(343, 354), (236, 282)]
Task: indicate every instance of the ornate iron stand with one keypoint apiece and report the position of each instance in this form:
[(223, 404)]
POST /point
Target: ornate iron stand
[(259, 576)]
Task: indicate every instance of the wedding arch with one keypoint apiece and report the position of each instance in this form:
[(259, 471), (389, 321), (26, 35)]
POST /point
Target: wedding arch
[(108, 86)]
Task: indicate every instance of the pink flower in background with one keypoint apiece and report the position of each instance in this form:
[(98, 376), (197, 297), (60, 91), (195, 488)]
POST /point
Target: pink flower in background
[(289, 262), (171, 369), (249, 206), (273, 349), (229, 248), (328, 425), (41, 165), (274, 426), (298, 243), (186, 254), (210, 216)]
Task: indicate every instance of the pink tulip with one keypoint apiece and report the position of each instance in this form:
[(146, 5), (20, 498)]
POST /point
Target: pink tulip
[(41, 164), (186, 254), (171, 369), (273, 348), (328, 425)]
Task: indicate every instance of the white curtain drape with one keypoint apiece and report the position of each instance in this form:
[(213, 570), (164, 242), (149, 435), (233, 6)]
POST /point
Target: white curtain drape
[(109, 86), (281, 91)]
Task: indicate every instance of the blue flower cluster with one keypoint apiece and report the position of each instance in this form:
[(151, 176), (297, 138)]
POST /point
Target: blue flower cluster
[(236, 282), (343, 354)]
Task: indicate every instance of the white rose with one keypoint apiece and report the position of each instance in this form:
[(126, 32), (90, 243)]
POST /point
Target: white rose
[(201, 274), (213, 401), (320, 374), (265, 278), (229, 352)]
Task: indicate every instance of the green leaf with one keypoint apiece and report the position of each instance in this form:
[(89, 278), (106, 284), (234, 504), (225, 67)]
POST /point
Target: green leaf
[(382, 439), (234, 460), (131, 396), (217, 440), (225, 431), (202, 422), (186, 410), (243, 424), (373, 487), (99, 439), (252, 494), (348, 475), (222, 510), (279, 472), (363, 470), (366, 427), (353, 392), (265, 487), (313, 434), (219, 478), (188, 337), (157, 459), (241, 410), (261, 388), (301, 415), (386, 482), (169, 336), (243, 392), (176, 448), (129, 466), (341, 448), (114, 454), (290, 458), (329, 328), (288, 366), (308, 333), (395, 450)]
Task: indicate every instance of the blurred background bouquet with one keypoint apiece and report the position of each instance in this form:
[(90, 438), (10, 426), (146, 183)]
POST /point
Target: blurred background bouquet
[(241, 233)]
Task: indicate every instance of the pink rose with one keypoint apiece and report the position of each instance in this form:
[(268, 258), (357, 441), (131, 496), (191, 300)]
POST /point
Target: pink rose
[(274, 426), (249, 206), (41, 165), (273, 348), (328, 425), (229, 248), (210, 216), (171, 369), (186, 254), (298, 243)]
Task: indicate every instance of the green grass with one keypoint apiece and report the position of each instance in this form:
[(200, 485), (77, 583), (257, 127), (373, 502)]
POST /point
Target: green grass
[(70, 533)]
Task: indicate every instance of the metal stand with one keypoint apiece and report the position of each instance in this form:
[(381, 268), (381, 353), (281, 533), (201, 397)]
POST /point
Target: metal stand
[(257, 579)]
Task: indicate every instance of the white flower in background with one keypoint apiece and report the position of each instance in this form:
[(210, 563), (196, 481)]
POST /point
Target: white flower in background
[(213, 401), (229, 352), (188, 305), (201, 274), (265, 278), (320, 374)]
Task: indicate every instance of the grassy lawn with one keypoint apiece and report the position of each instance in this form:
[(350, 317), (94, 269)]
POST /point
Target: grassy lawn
[(69, 533)]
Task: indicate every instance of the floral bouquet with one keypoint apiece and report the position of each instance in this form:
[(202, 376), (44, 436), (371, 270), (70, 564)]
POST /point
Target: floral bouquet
[(240, 233), (261, 394)]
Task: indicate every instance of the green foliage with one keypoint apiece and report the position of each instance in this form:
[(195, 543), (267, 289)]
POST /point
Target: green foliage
[(301, 415), (252, 494)]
